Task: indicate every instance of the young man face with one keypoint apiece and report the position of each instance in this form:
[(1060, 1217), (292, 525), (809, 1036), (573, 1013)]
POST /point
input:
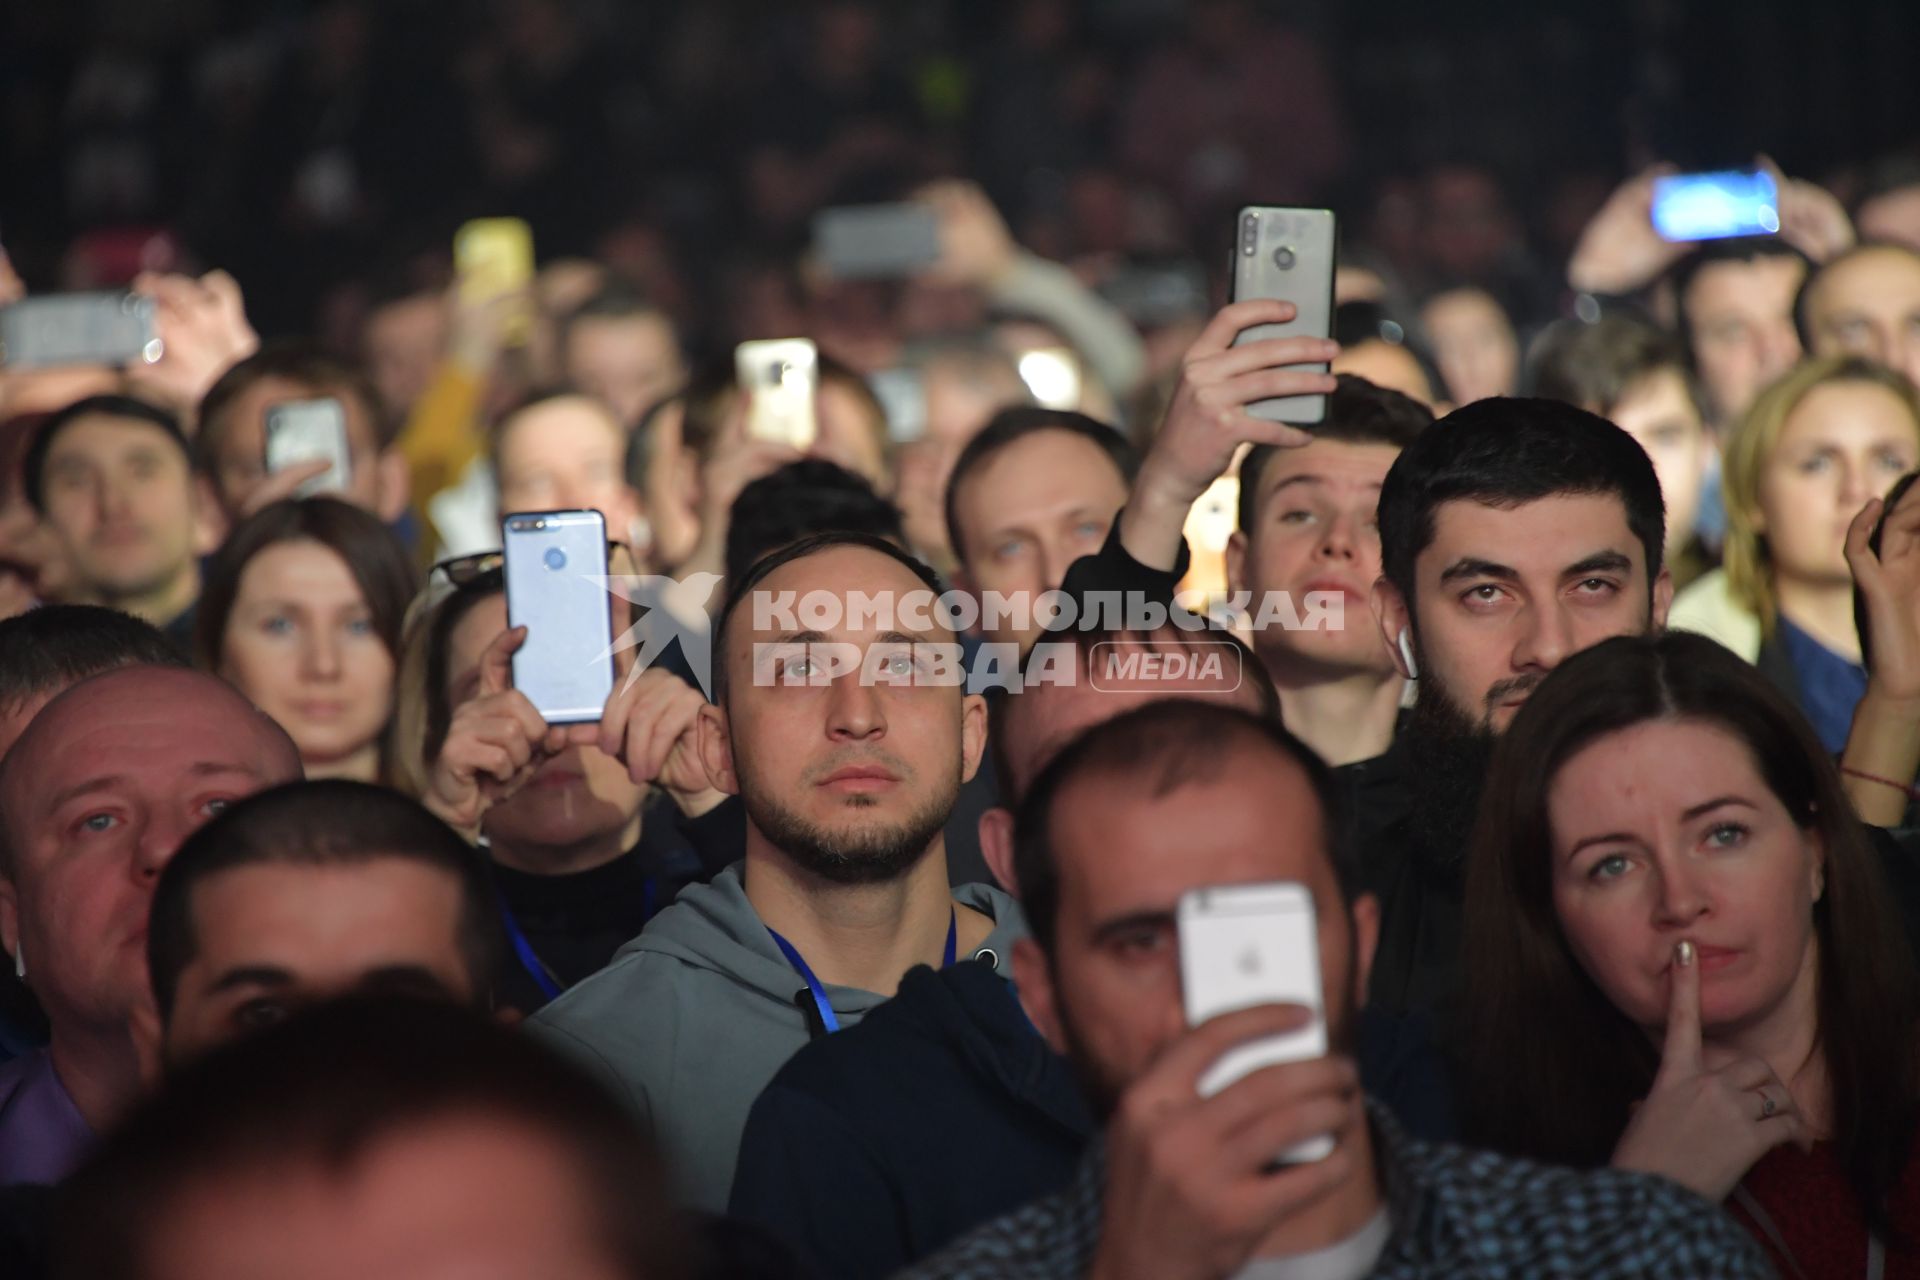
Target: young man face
[(119, 497), (1739, 316), (1503, 596), (1658, 411), (566, 454), (1029, 511), (377, 478), (1315, 529), (850, 776), (628, 363), (272, 936)]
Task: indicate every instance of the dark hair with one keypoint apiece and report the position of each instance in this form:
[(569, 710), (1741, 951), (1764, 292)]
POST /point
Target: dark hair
[(1358, 412), (1506, 452), (738, 589), (1595, 365), (1555, 1067), (1712, 253), (330, 1084), (373, 553), (642, 443), (1016, 423), (44, 650), (1157, 749), (805, 497), (1087, 648), (304, 363), (618, 300), (328, 823), (1362, 320), (34, 466), (1861, 621)]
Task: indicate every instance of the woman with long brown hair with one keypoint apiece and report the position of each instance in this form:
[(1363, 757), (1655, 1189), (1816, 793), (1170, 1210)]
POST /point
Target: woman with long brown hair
[(1681, 958)]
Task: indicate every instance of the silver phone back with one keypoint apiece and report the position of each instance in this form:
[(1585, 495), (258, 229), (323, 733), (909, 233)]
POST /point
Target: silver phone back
[(1287, 254), (552, 559)]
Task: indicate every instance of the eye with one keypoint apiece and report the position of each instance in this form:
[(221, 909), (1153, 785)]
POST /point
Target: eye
[(1010, 548), (1090, 529), (360, 627), (278, 624), (1481, 596), (1611, 867), (1888, 460), (95, 823), (1727, 835), (800, 668), (1295, 517), (1813, 466), (1597, 586), (255, 1015), (219, 804), (1139, 943)]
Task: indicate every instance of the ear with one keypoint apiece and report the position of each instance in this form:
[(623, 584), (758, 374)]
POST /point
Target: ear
[(393, 484), (1033, 979), (1236, 559), (1391, 613), (1364, 918), (211, 523), (996, 846), (1816, 868), (715, 739), (973, 734), (9, 917), (1662, 599)]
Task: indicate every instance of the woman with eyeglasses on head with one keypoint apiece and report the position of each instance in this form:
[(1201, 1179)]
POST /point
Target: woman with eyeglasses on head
[(583, 823), (1681, 957), (301, 611)]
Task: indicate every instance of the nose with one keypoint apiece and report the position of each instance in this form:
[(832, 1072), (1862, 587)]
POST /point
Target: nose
[(853, 709), (1545, 639), (1855, 486), (322, 654), (1338, 542), (157, 840), (1682, 895)]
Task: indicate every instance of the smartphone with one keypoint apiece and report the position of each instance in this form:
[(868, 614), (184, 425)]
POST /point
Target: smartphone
[(494, 256), (556, 563), (1287, 254), (79, 328), (1254, 944), (301, 431), (1714, 206), (1052, 374), (876, 241), (780, 377), (902, 394)]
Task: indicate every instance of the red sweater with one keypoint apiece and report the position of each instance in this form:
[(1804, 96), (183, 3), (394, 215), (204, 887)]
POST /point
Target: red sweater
[(1813, 1210)]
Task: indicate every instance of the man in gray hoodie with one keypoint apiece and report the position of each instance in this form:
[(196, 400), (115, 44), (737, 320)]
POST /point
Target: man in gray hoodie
[(847, 736)]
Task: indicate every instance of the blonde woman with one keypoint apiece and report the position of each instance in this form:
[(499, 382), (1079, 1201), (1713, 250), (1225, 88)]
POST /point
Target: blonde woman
[(1815, 447)]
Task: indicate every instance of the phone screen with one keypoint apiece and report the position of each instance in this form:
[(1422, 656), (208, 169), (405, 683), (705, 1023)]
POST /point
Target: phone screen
[(556, 568), (1715, 206)]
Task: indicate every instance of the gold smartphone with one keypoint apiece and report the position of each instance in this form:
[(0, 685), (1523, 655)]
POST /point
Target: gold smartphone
[(779, 377), (494, 256)]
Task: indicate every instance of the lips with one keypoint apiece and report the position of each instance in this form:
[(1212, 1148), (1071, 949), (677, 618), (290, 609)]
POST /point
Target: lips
[(319, 710), (1709, 958), (1336, 585), (860, 778)]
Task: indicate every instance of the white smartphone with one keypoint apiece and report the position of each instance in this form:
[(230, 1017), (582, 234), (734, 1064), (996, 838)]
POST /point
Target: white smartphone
[(1251, 944), (300, 431), (780, 377), (79, 328), (1288, 254), (556, 564)]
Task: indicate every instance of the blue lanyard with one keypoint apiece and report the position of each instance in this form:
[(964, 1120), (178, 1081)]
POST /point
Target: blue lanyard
[(542, 976), (828, 1018)]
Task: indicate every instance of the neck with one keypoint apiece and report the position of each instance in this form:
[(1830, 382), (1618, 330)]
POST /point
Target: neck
[(1822, 610), (162, 604), (553, 859), (1344, 716), (104, 1070), (864, 936), (1341, 1212), (359, 766)]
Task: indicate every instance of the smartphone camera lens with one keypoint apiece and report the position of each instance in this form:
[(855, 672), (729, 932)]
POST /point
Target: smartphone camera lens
[(556, 559), (1283, 257), (1249, 235)]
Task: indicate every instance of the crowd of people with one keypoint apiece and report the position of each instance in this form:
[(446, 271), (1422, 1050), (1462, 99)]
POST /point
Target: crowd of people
[(1569, 665)]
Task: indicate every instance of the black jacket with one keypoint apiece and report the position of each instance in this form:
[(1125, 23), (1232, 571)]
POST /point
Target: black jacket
[(941, 1109)]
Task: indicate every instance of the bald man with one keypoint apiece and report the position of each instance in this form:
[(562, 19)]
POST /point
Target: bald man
[(95, 797)]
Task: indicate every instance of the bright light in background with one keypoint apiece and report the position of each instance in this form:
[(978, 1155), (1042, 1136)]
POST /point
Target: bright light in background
[(1053, 376)]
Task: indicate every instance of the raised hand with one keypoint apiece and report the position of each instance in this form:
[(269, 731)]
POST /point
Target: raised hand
[(494, 744), (1705, 1123), (648, 725)]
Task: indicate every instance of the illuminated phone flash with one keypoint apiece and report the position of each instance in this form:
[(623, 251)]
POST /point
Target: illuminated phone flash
[(1053, 376)]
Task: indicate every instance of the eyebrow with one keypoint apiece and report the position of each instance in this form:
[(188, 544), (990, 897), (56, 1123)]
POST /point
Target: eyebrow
[(1599, 562), (1106, 930), (1700, 810), (258, 975), (1472, 567), (206, 768), (1308, 477)]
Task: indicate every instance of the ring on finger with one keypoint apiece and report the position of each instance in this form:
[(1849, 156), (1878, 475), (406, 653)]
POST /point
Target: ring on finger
[(1768, 1107)]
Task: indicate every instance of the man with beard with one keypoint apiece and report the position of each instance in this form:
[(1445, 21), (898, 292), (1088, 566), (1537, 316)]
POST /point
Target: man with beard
[(1513, 534), (1182, 1185), (847, 747)]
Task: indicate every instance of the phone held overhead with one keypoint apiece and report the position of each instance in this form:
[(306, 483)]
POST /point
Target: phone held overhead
[(1287, 254), (556, 570)]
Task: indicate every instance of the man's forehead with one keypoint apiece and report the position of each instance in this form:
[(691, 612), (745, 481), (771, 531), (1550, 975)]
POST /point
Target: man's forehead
[(1542, 530), (1336, 462), (116, 712), (95, 432), (840, 572)]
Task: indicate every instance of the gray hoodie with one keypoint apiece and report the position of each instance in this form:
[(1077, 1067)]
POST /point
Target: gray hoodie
[(693, 1017)]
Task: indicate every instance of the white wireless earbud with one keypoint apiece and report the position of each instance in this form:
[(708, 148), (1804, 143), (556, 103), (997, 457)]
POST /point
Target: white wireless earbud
[(20, 960), (1406, 655)]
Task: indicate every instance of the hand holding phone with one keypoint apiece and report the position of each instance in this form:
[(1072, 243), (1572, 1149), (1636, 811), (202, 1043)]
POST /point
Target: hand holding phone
[(1716, 206), (1288, 254), (1242, 946), (556, 566), (493, 258), (307, 431)]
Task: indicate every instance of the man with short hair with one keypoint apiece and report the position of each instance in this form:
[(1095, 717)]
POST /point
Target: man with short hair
[(309, 891), (1636, 376), (803, 498), (1186, 1184), (1034, 491), (1307, 529), (46, 650), (231, 447), (963, 383), (624, 351), (111, 477), (371, 1139), (1866, 302), (848, 742), (95, 797), (1513, 534), (1735, 301)]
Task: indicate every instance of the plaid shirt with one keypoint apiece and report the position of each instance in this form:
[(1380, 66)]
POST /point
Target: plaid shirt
[(1455, 1213)]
